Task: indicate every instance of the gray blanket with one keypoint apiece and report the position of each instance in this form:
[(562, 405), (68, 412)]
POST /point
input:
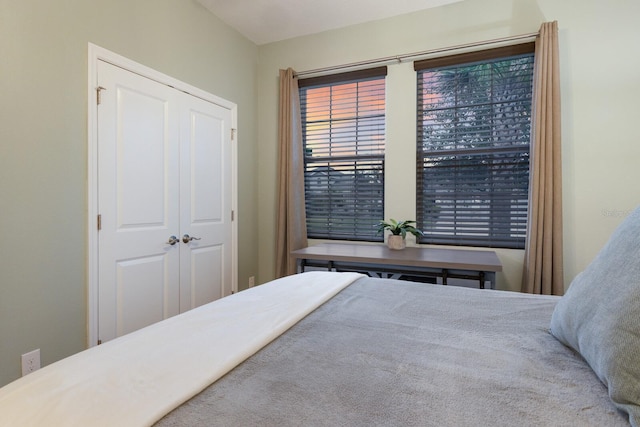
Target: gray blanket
[(392, 353)]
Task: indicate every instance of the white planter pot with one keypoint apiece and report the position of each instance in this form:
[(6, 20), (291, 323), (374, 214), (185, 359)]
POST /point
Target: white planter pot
[(396, 242)]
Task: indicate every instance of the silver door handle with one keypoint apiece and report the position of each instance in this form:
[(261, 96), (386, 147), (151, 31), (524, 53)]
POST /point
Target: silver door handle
[(173, 240), (186, 238)]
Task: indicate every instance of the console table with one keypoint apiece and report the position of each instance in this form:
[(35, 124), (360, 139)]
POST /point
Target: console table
[(380, 261)]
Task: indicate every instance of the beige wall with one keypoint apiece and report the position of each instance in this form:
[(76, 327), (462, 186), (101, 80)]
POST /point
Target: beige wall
[(43, 147), (599, 66)]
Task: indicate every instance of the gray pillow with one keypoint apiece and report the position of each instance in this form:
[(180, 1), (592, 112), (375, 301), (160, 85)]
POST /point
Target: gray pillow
[(599, 316)]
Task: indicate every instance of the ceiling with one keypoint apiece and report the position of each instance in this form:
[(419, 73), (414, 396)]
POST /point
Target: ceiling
[(266, 21)]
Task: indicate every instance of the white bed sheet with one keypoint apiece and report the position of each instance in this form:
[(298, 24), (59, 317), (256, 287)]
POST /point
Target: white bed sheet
[(138, 378)]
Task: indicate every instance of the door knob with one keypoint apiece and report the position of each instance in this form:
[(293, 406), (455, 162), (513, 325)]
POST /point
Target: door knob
[(186, 238), (173, 240)]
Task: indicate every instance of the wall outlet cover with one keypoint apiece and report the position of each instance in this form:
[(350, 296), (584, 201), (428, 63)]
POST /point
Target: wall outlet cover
[(30, 362)]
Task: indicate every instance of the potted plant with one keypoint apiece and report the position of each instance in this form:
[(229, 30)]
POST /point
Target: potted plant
[(399, 230)]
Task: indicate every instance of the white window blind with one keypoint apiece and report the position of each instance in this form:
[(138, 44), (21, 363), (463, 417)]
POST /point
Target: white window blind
[(473, 135), (343, 127)]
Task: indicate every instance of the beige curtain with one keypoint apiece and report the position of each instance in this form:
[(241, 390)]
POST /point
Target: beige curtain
[(291, 228), (543, 272)]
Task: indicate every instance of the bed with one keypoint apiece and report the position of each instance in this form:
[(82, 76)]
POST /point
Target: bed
[(326, 348)]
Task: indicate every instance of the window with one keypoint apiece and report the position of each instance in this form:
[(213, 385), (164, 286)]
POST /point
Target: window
[(473, 133), (343, 128)]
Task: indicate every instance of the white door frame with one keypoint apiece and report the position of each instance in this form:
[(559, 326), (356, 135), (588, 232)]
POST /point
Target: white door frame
[(96, 54)]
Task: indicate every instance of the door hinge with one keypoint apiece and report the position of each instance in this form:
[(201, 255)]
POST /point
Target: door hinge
[(233, 134), (233, 215), (99, 90), (99, 342), (99, 222)]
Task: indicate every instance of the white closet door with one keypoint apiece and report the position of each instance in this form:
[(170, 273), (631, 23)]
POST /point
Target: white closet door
[(205, 214), (138, 199), (164, 171)]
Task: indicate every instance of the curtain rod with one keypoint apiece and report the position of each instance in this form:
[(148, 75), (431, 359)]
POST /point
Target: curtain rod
[(400, 58)]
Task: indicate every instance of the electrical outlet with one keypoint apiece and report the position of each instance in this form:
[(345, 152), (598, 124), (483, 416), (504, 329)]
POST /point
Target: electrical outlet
[(252, 281), (30, 362)]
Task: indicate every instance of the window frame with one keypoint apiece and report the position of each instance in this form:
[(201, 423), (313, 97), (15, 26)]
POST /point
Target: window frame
[(450, 230), (325, 220)]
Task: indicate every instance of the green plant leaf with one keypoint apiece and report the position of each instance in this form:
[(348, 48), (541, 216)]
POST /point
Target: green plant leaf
[(399, 227)]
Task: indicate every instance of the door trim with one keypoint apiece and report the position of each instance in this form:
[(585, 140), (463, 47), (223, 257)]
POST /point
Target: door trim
[(95, 54)]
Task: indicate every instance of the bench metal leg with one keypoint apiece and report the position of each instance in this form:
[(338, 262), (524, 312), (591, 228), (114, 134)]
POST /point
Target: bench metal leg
[(491, 277)]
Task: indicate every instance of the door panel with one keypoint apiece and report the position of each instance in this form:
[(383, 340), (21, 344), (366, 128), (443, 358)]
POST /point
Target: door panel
[(138, 200), (206, 156), (141, 283), (206, 203), (207, 274), (143, 159)]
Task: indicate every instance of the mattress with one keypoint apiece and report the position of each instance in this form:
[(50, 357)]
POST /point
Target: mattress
[(387, 352)]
